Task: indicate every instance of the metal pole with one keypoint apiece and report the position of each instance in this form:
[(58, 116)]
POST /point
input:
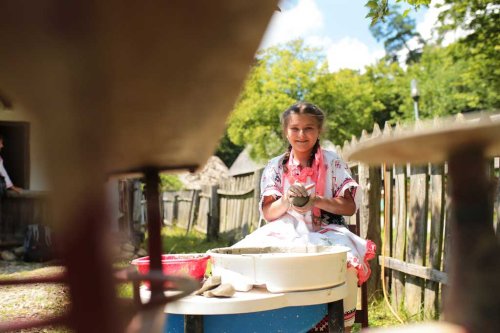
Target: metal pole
[(154, 228), (415, 108), (415, 94)]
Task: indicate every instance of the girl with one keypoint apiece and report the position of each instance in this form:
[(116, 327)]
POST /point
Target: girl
[(306, 169)]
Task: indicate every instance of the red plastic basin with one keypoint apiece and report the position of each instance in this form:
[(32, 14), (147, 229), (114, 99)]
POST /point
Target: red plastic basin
[(191, 265)]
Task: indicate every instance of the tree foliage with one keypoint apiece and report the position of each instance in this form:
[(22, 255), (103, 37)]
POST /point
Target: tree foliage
[(397, 31), (348, 100), (479, 18), (280, 76), (379, 9), (169, 182), (227, 151), (480, 47)]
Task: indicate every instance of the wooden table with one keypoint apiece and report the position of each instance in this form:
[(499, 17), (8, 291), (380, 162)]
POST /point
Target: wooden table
[(257, 303)]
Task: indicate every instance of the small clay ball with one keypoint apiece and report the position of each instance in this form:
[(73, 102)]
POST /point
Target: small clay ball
[(300, 201)]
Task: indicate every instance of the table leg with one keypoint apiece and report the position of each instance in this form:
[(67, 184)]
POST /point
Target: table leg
[(193, 324), (336, 317)]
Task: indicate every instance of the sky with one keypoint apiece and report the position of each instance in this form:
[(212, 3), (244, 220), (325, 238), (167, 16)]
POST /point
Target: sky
[(339, 27)]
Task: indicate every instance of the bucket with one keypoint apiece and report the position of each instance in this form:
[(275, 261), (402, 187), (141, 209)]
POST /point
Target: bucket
[(191, 265)]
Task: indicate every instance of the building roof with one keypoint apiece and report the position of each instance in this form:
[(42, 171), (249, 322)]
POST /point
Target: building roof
[(244, 164)]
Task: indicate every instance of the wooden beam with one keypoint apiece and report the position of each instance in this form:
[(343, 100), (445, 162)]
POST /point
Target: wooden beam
[(415, 270)]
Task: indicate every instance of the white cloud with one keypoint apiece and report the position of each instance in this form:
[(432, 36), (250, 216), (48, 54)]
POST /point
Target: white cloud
[(301, 21), (351, 53), (306, 21)]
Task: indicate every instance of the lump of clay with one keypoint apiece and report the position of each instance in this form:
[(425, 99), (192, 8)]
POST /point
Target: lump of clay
[(210, 283), (300, 201), (224, 290)]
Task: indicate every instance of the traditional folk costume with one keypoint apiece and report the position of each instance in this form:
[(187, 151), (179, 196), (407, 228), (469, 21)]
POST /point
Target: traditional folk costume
[(332, 178)]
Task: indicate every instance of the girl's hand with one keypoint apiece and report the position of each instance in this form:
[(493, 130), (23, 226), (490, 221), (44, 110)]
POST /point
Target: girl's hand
[(298, 190), (308, 206), (302, 191)]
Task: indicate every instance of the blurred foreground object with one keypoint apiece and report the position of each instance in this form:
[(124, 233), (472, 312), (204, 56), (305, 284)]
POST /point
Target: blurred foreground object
[(122, 87)]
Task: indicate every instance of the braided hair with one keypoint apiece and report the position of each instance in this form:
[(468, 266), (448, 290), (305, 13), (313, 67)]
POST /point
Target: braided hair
[(301, 108)]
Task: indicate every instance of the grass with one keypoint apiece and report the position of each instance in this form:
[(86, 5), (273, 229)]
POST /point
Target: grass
[(33, 301), (176, 240), (39, 300)]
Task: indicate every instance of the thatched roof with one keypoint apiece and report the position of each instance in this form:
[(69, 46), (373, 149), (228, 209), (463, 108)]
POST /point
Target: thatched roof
[(244, 164), (212, 173)]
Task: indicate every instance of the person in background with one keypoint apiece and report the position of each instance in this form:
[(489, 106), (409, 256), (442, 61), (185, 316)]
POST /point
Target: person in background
[(3, 173), (307, 170)]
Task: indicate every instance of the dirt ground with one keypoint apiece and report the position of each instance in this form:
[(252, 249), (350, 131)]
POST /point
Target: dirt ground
[(25, 302)]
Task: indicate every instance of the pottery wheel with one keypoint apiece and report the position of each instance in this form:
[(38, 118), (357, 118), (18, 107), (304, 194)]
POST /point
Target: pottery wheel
[(430, 142)]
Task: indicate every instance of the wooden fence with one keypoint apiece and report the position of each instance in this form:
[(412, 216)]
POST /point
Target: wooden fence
[(406, 210), (17, 211), (229, 208), (416, 235)]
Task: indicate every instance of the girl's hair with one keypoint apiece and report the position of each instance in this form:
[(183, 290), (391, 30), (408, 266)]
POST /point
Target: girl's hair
[(302, 108)]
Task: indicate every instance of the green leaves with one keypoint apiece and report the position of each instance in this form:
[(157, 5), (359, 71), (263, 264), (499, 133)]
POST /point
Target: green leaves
[(379, 9)]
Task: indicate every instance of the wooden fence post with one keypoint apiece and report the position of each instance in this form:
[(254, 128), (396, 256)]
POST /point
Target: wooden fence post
[(417, 231), (388, 202), (175, 209), (398, 278), (213, 215), (256, 195), (371, 181), (436, 206), (448, 238), (193, 210), (496, 204)]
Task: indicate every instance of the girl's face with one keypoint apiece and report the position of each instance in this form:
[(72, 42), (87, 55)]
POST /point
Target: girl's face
[(302, 131)]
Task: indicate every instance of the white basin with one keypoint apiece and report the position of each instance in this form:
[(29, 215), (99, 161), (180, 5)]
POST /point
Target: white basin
[(281, 269)]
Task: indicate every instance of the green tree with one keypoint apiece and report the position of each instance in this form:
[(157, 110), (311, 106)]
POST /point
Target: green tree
[(396, 31), (349, 102), (170, 182), (379, 9), (280, 76), (480, 47), (227, 151), (450, 82), (479, 18), (390, 86)]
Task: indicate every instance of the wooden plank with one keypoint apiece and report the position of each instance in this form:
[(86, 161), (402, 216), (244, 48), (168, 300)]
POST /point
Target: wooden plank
[(195, 206), (436, 207), (448, 236), (417, 231), (496, 173), (415, 270), (398, 245), (388, 201), (370, 181), (214, 221), (256, 198), (236, 192), (222, 214)]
